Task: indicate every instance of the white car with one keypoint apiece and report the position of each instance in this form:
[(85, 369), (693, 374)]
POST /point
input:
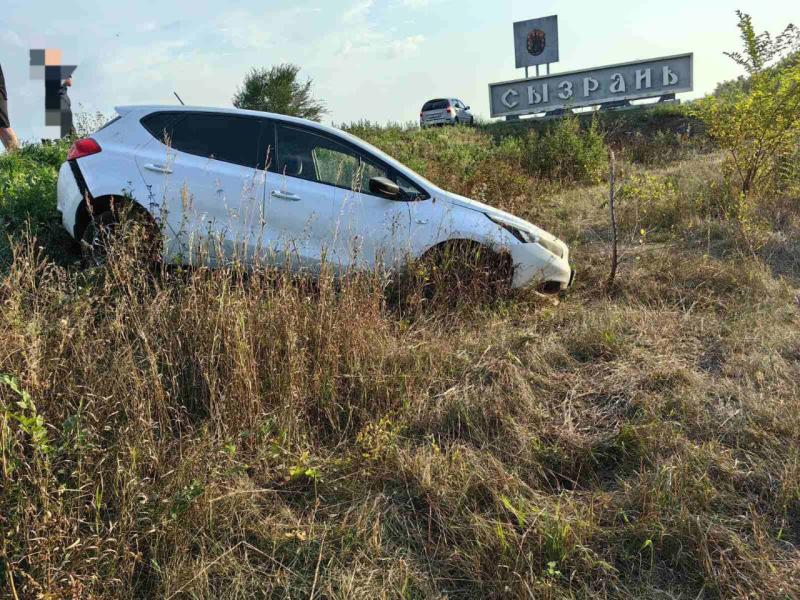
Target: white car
[(228, 184), (445, 111)]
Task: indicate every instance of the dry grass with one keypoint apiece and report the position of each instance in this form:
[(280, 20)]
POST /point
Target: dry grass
[(206, 434)]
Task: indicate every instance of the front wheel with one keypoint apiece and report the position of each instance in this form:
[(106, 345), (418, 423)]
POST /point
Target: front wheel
[(464, 270)]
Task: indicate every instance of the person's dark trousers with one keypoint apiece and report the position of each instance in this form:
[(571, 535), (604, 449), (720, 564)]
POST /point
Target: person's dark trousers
[(66, 124), (65, 106), (52, 89)]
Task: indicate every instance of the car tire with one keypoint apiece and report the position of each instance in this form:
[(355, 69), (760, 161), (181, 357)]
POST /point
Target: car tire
[(456, 122), (462, 270), (104, 230), (472, 121)]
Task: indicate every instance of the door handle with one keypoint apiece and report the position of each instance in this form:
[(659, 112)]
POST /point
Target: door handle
[(285, 195), (158, 168)]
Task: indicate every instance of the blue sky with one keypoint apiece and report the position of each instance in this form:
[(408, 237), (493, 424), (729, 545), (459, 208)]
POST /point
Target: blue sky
[(373, 59)]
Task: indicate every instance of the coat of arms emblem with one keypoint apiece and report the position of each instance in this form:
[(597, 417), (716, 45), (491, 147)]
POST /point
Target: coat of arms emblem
[(536, 42)]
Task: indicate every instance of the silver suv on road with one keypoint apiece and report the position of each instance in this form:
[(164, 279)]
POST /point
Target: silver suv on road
[(445, 111)]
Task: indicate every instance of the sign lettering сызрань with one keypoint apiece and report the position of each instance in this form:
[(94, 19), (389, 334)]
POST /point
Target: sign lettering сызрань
[(589, 87)]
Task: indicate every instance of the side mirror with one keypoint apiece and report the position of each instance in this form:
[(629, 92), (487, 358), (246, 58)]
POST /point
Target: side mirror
[(466, 108), (381, 186)]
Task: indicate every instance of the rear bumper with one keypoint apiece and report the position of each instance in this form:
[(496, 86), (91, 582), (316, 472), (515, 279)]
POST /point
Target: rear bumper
[(534, 265), (68, 196), (434, 122)]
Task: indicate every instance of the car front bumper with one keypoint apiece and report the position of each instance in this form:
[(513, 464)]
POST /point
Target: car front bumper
[(535, 265)]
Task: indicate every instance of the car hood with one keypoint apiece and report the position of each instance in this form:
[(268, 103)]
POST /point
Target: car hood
[(491, 211)]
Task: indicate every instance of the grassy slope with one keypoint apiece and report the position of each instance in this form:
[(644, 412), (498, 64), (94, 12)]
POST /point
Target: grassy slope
[(212, 438)]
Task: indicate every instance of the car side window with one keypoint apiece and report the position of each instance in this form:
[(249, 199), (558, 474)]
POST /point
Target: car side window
[(410, 191), (319, 158), (160, 125), (322, 159), (228, 138), (336, 166)]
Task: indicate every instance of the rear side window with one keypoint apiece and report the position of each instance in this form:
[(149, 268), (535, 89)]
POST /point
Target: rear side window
[(228, 138), (436, 105), (160, 124)]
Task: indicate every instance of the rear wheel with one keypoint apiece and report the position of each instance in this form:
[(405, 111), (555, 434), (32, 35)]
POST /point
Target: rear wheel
[(96, 239), (456, 122), (106, 229)]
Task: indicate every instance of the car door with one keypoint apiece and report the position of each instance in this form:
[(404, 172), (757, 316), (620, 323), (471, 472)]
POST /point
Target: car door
[(374, 230), (205, 177), (326, 211), (298, 209), (461, 111), (467, 113)]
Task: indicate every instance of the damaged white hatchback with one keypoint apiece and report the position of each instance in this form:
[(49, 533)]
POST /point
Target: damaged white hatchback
[(229, 184)]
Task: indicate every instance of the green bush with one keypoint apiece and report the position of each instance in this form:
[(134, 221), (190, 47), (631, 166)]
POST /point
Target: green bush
[(562, 151), (28, 186), (661, 147), (567, 153), (757, 125), (649, 203), (28, 197)]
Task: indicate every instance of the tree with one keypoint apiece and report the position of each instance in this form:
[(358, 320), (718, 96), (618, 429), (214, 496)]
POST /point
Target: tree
[(758, 124), (278, 90), (742, 82), (760, 50)]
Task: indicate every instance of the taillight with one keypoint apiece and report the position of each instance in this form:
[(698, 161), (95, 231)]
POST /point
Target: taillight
[(449, 109), (83, 147)]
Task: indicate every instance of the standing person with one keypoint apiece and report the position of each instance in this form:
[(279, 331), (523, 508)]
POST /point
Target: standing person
[(66, 108), (7, 135)]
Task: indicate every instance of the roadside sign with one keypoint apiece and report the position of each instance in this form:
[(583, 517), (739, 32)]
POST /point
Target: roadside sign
[(626, 81), (536, 41)]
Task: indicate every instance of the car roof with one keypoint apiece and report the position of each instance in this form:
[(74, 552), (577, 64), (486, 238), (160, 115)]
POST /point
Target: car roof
[(146, 109), (151, 108)]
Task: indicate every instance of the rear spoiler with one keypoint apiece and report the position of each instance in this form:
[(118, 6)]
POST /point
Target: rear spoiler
[(124, 110)]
